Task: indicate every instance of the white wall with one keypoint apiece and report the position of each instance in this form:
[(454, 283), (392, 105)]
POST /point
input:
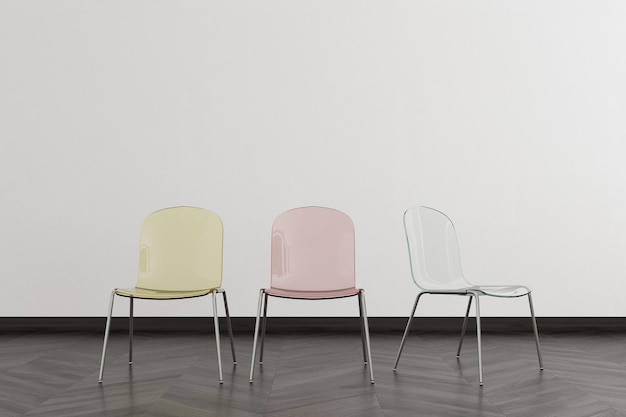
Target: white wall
[(508, 115)]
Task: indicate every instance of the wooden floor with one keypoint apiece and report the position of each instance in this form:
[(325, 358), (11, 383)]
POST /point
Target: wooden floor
[(313, 374)]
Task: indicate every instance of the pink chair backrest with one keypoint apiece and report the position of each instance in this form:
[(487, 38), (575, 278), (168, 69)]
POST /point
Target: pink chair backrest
[(313, 250)]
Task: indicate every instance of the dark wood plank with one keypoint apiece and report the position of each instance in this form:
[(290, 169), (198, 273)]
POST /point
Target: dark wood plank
[(314, 373)]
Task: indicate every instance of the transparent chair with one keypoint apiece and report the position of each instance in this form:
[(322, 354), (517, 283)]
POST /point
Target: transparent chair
[(312, 258), (436, 269), (180, 256)]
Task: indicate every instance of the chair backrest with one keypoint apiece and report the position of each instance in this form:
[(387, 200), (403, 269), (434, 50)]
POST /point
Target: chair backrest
[(312, 250), (181, 250), (433, 250)]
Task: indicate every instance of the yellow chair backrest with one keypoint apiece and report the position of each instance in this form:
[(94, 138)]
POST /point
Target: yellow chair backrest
[(181, 249)]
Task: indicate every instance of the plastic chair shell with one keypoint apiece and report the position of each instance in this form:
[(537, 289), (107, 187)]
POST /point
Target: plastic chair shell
[(181, 250), (435, 259), (312, 254)]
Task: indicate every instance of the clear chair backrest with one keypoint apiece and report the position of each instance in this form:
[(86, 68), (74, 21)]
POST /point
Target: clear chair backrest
[(312, 250), (181, 250), (433, 250)]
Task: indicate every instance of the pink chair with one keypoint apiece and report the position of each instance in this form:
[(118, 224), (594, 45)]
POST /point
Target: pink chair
[(312, 259)]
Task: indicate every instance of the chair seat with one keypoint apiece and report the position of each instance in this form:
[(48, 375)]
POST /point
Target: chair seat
[(506, 291), (501, 290), (136, 292), (312, 295)]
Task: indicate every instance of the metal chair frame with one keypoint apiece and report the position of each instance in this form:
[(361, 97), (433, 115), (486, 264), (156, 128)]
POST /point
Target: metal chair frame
[(471, 295), (262, 318), (216, 326)]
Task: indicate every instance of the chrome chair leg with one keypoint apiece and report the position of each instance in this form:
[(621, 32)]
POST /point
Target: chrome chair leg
[(130, 330), (107, 328), (406, 330), (230, 327), (216, 324), (478, 336), (458, 352), (256, 334), (367, 336), (532, 314), (263, 327), (362, 331)]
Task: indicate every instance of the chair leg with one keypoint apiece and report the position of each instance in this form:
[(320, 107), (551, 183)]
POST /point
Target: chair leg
[(367, 335), (532, 314), (230, 327), (216, 325), (406, 330), (478, 336), (458, 352), (256, 334), (130, 330), (362, 331), (263, 327), (106, 337)]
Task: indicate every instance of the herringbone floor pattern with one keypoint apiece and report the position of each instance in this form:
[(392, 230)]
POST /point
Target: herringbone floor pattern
[(313, 374)]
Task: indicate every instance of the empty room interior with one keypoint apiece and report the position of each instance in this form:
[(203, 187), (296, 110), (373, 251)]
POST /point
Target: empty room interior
[(233, 208)]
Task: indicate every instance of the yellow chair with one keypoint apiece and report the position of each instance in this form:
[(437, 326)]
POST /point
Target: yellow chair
[(180, 256)]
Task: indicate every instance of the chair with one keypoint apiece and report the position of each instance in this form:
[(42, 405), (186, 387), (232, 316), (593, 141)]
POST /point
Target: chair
[(312, 258), (436, 269), (180, 256)]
